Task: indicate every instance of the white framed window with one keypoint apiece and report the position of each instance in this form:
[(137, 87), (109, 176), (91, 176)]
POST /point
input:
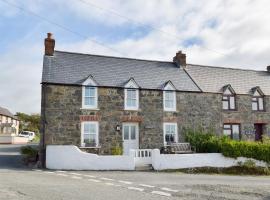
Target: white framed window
[(169, 97), (89, 99), (131, 95), (170, 133), (89, 134)]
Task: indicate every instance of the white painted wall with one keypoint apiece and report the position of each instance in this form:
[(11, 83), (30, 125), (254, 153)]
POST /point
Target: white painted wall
[(180, 161), (8, 139), (69, 157)]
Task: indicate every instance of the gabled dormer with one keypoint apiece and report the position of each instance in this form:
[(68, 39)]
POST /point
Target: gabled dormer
[(89, 93), (257, 99), (131, 95), (169, 97), (228, 98)]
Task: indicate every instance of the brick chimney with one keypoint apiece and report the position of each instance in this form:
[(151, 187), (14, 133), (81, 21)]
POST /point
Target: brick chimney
[(49, 43), (180, 59)]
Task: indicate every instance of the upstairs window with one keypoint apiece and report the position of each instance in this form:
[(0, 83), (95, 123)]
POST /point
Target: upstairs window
[(228, 99), (232, 131), (169, 97), (258, 101), (131, 95), (89, 94), (170, 133), (89, 97)]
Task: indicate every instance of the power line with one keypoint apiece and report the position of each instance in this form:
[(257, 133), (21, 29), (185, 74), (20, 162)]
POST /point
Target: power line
[(61, 26), (143, 25)]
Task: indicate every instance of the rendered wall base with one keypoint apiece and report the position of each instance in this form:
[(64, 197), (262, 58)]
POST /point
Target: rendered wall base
[(69, 157), (8, 139), (181, 161)]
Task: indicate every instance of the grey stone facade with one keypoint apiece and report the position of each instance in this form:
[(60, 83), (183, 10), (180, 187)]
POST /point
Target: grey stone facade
[(62, 114)]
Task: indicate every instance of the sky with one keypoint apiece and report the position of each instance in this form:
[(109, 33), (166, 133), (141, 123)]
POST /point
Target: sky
[(224, 33)]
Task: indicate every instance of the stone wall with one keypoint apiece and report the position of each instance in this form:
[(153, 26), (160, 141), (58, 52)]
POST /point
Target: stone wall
[(63, 115)]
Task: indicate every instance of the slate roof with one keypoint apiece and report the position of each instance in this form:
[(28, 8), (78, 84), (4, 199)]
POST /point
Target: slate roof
[(213, 79), (74, 68), (6, 112)]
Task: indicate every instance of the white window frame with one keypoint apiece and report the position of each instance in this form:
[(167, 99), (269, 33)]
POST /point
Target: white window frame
[(131, 85), (82, 132), (90, 82), (164, 131), (96, 98), (169, 88)]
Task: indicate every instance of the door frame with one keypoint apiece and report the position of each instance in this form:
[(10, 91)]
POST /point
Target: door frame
[(137, 133)]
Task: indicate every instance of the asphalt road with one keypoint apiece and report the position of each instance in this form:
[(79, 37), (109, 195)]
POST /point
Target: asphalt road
[(10, 157), (27, 184)]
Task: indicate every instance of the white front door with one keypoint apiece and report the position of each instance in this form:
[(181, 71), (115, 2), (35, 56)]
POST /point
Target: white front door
[(130, 137)]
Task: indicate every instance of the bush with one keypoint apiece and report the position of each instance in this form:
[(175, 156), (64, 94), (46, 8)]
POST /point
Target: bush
[(209, 143), (117, 150), (30, 153)]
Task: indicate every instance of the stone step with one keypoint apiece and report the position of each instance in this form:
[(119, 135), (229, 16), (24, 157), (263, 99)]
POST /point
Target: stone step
[(143, 168)]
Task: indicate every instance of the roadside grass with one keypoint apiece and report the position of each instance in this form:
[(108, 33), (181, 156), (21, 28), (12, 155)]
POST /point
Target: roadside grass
[(236, 170)]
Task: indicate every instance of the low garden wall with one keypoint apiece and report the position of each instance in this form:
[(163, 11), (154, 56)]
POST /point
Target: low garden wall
[(69, 157), (8, 139), (181, 161)]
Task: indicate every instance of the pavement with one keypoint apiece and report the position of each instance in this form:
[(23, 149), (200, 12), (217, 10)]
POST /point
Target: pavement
[(31, 184)]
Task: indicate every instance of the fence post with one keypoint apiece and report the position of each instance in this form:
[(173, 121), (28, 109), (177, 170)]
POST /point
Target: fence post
[(156, 159)]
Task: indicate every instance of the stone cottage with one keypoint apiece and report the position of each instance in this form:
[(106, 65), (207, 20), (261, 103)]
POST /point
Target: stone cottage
[(99, 102)]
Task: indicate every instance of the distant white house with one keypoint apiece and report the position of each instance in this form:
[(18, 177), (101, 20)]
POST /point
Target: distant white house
[(9, 128)]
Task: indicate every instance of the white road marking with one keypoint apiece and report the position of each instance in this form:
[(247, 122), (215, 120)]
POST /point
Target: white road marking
[(106, 179), (135, 188), (37, 170), (49, 172), (168, 189), (94, 180), (125, 182), (109, 184), (60, 171), (75, 174), (90, 176), (61, 175), (149, 186), (76, 177), (161, 193)]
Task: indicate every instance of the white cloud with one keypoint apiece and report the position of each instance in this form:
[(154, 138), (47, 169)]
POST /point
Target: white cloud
[(238, 29)]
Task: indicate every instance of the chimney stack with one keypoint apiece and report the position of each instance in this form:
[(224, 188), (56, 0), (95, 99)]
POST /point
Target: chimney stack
[(268, 68), (180, 59), (49, 43)]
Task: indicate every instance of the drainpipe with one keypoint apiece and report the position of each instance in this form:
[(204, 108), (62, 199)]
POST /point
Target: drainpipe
[(43, 124)]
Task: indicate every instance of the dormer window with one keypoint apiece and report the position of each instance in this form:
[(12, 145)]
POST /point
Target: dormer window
[(228, 98), (257, 100), (169, 97), (89, 94), (131, 95)]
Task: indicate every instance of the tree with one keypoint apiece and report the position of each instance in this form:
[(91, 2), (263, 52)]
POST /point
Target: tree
[(29, 122)]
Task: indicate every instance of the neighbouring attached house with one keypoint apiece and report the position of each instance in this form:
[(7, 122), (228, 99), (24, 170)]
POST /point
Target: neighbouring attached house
[(9, 126), (99, 102)]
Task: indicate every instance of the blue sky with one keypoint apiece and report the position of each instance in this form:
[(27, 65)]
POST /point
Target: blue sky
[(211, 32)]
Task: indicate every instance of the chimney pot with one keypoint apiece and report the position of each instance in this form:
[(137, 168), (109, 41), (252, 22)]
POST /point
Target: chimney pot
[(49, 43), (180, 59)]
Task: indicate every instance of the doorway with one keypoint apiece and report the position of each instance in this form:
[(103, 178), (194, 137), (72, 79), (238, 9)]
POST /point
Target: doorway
[(258, 131), (130, 137)]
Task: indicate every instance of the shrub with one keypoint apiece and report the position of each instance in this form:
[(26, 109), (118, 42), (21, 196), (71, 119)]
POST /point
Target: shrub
[(117, 150), (30, 154), (209, 143)]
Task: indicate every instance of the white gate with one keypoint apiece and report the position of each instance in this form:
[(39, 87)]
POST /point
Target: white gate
[(143, 157)]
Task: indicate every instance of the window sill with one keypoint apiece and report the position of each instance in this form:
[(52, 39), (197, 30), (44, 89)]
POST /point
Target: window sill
[(135, 110), (89, 108), (230, 110)]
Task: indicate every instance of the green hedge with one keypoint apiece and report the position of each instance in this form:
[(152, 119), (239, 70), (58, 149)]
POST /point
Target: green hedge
[(209, 143)]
